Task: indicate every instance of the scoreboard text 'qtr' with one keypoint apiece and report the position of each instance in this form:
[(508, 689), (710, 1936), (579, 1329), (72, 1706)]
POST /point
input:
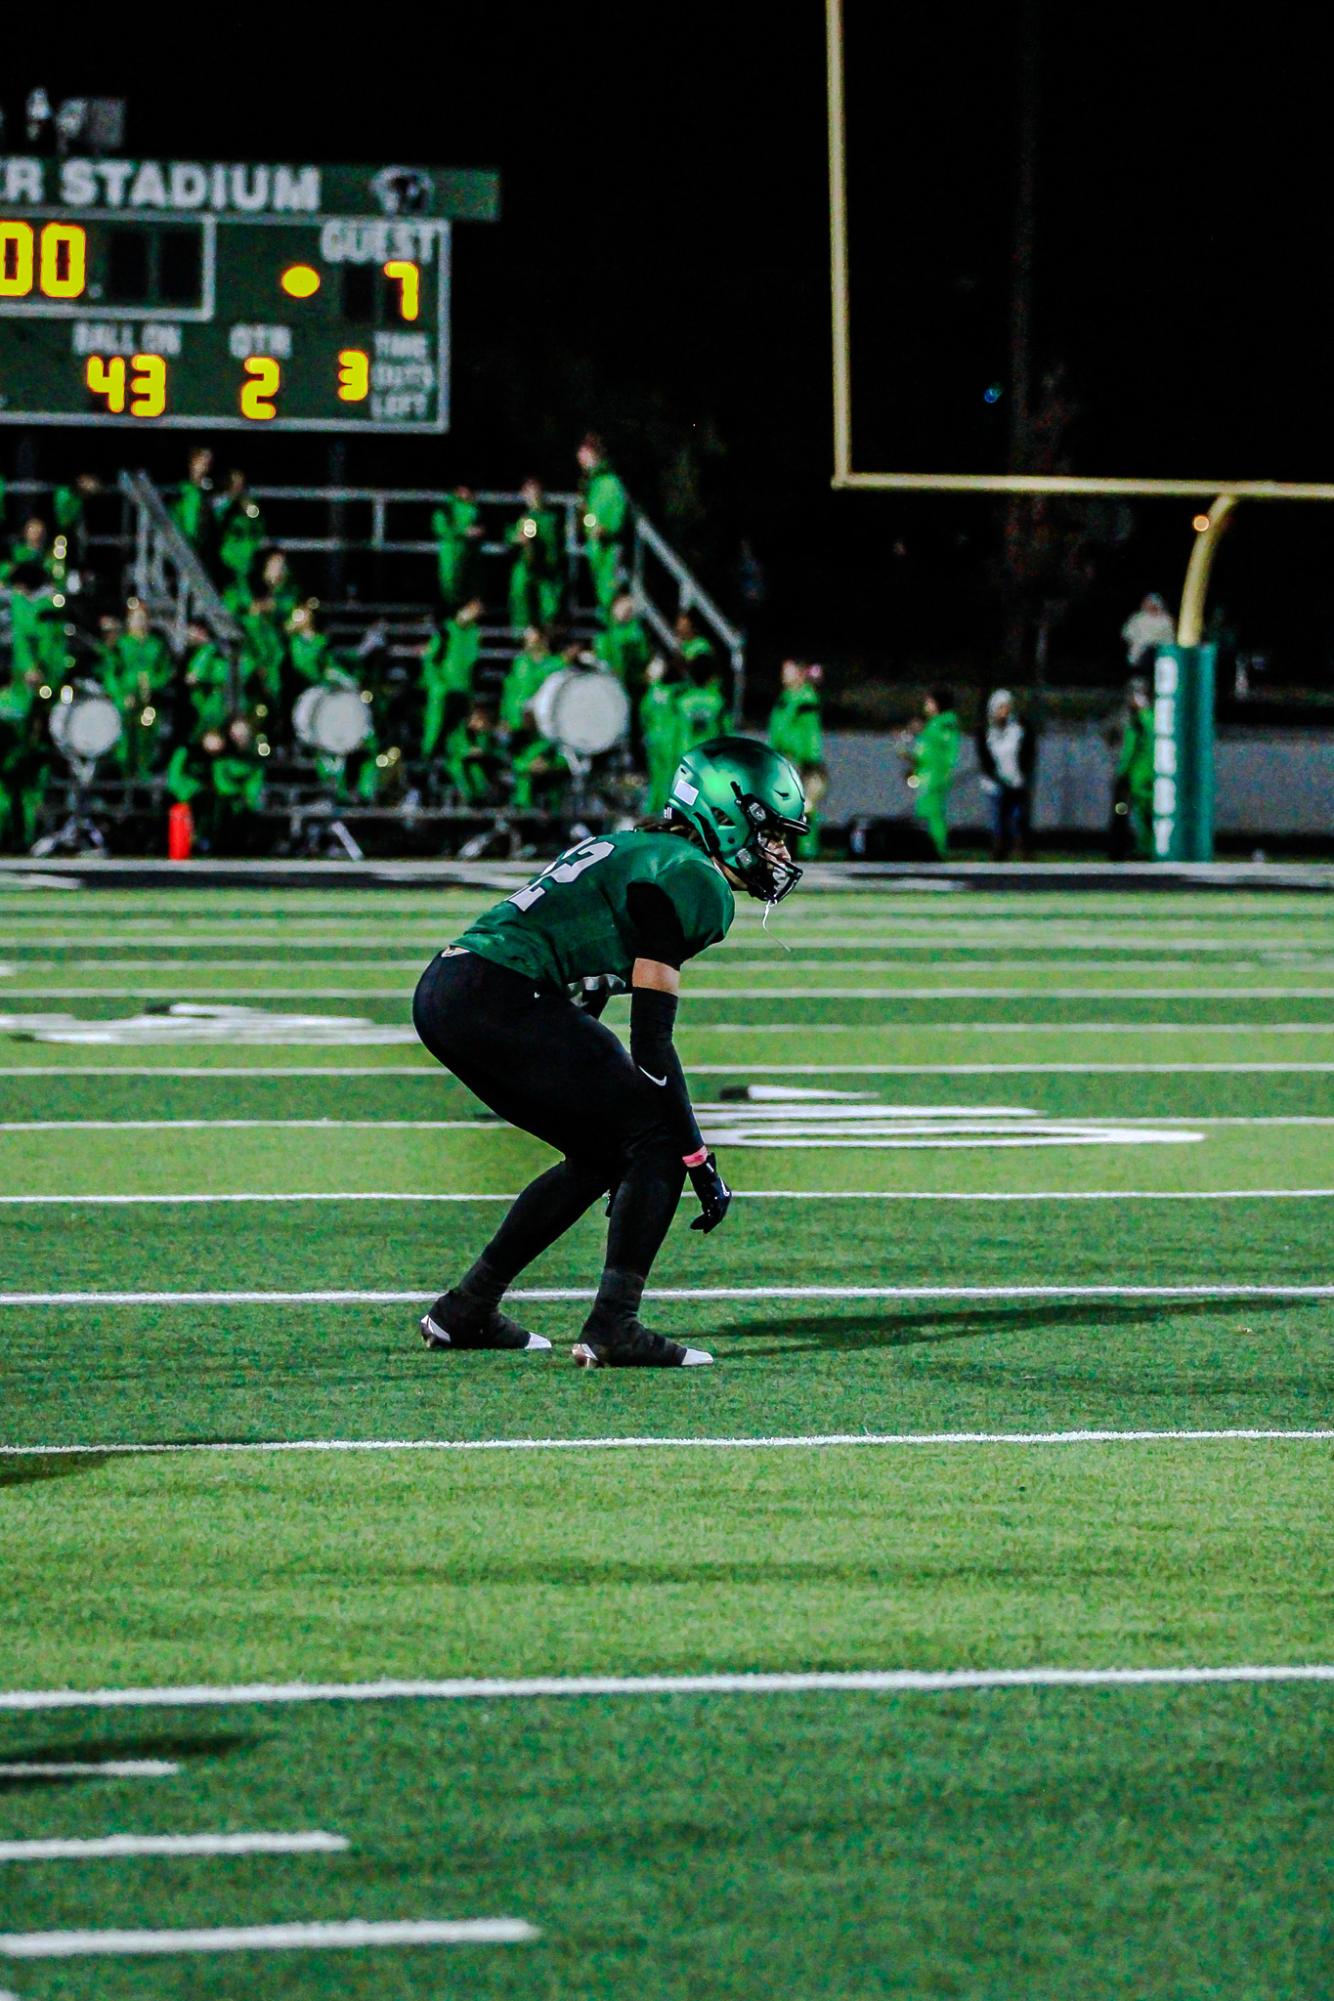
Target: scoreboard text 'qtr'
[(211, 295)]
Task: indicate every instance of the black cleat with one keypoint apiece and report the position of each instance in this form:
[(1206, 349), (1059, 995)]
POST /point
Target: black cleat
[(450, 1325), (634, 1347)]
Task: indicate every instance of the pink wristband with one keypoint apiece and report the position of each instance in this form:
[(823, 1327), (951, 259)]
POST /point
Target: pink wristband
[(695, 1159)]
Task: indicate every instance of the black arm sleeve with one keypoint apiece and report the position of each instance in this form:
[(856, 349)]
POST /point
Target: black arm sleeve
[(657, 926), (652, 1015)]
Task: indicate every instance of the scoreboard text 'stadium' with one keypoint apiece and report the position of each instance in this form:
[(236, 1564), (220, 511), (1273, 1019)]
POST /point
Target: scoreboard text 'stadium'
[(213, 294)]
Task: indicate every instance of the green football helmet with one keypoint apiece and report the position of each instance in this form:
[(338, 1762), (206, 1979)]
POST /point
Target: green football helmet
[(738, 795)]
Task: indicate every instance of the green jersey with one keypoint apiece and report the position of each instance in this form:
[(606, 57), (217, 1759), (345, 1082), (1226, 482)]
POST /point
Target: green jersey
[(794, 726), (573, 922), (1136, 760)]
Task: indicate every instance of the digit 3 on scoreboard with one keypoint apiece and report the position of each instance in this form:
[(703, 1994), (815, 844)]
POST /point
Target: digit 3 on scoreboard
[(287, 297)]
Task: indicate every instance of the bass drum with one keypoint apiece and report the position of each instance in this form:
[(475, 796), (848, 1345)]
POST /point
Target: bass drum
[(583, 712), (333, 722), (86, 727), (302, 713)]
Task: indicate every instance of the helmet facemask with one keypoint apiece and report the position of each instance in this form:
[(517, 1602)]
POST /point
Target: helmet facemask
[(766, 875)]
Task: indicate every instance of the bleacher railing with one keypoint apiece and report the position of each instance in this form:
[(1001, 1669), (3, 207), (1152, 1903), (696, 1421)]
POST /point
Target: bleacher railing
[(168, 577), (372, 520), (387, 531)]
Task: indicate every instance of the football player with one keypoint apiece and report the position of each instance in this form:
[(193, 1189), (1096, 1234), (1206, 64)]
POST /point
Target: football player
[(495, 1007)]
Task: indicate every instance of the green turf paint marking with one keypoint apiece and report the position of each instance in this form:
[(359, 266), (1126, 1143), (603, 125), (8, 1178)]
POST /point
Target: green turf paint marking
[(813, 1442), (104, 1847), (343, 1935), (864, 1681)]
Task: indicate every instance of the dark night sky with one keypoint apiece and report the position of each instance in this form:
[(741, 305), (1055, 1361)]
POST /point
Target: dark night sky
[(662, 270)]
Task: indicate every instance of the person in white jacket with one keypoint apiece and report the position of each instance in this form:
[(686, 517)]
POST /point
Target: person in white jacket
[(1146, 630)]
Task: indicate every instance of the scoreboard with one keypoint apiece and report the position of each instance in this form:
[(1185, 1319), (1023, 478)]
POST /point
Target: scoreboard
[(146, 294)]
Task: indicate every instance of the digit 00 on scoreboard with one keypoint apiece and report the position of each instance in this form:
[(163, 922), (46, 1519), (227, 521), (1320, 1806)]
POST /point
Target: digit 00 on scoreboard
[(140, 293)]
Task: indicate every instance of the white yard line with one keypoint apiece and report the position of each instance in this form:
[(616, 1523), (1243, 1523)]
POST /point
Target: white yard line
[(743, 962), (984, 1120), (989, 1028), (188, 1125), (918, 1070), (875, 1681), (741, 1194), (106, 1846), (387, 1034), (345, 1934), (1034, 990), (424, 1070), (803, 1443), (107, 1768), (377, 1297)]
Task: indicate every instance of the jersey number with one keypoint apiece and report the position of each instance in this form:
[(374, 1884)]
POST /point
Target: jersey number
[(569, 867)]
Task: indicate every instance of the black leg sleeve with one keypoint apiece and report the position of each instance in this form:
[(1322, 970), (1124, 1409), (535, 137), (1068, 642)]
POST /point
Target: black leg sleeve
[(543, 1212), (646, 1201)]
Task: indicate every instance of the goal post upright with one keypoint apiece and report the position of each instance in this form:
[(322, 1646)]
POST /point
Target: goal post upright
[(838, 244)]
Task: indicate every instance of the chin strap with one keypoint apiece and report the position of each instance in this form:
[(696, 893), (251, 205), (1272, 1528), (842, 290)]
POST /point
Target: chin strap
[(764, 926)]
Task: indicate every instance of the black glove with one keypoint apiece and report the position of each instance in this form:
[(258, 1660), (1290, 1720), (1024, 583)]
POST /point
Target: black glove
[(715, 1197)]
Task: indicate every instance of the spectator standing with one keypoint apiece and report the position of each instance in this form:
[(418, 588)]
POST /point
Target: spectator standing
[(1006, 748), (535, 576), (530, 667), (33, 546), (700, 706), (795, 731), (38, 634), (933, 753), (1132, 799), (473, 759), (310, 651), (25, 761), (448, 666), (208, 679), (278, 586), (241, 535), (140, 671), (264, 652), (660, 730), (457, 527), (623, 645), (69, 512), (606, 508), (537, 767), (192, 509), (691, 643), (1146, 630)]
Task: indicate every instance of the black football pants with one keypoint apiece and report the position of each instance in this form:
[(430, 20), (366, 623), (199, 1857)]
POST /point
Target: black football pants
[(552, 1070)]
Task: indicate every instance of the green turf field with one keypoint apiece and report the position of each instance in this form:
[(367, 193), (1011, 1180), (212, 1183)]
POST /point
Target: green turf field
[(1023, 1331)]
